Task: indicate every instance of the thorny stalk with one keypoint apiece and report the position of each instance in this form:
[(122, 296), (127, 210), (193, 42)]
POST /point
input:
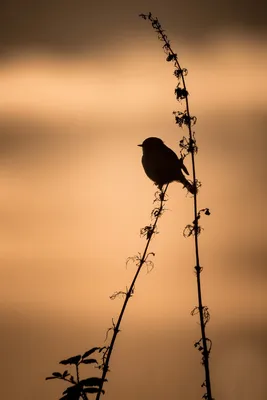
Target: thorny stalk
[(149, 232), (189, 146), (83, 394)]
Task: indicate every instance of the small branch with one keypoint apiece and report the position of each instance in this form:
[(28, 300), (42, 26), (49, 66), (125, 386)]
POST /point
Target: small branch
[(83, 394), (141, 261), (188, 146)]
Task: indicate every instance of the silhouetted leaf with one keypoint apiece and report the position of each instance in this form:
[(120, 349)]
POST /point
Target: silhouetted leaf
[(180, 93), (57, 374), (87, 353), (89, 361), (72, 360), (171, 56), (73, 389), (91, 390), (65, 373), (71, 396), (143, 16), (92, 381)]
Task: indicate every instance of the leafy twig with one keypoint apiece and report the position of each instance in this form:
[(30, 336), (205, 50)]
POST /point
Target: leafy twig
[(188, 146), (140, 261)]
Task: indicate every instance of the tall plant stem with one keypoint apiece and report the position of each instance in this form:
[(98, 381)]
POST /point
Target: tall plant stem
[(197, 258), (129, 293), (191, 148)]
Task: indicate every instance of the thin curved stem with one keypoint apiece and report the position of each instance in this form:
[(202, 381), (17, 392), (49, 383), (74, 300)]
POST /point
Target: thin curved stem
[(129, 293), (172, 56), (197, 267), (83, 394)]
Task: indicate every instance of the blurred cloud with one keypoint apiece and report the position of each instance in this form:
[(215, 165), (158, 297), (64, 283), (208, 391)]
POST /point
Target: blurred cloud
[(120, 87), (68, 27)]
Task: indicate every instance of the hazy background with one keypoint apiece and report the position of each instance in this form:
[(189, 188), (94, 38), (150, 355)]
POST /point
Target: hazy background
[(81, 85)]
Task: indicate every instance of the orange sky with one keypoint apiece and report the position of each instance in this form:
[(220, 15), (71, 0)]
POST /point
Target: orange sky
[(74, 197)]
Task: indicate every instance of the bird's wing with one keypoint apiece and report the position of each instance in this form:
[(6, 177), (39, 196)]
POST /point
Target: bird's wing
[(174, 161)]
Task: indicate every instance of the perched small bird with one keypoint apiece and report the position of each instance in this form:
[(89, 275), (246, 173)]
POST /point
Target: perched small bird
[(162, 165)]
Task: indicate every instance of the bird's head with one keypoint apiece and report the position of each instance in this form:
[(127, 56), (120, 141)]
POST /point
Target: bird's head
[(151, 143)]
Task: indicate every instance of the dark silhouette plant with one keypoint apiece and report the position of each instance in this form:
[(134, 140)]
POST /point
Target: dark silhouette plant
[(81, 388), (189, 146)]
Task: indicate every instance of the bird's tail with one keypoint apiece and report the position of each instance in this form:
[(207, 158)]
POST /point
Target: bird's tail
[(189, 186)]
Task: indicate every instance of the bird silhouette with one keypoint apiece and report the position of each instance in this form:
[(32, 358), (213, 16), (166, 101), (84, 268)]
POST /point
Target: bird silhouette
[(162, 165)]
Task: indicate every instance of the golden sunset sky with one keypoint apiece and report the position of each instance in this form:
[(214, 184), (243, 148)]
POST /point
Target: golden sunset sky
[(81, 85)]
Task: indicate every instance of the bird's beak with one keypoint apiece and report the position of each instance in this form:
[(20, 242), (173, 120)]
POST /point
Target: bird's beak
[(140, 145)]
